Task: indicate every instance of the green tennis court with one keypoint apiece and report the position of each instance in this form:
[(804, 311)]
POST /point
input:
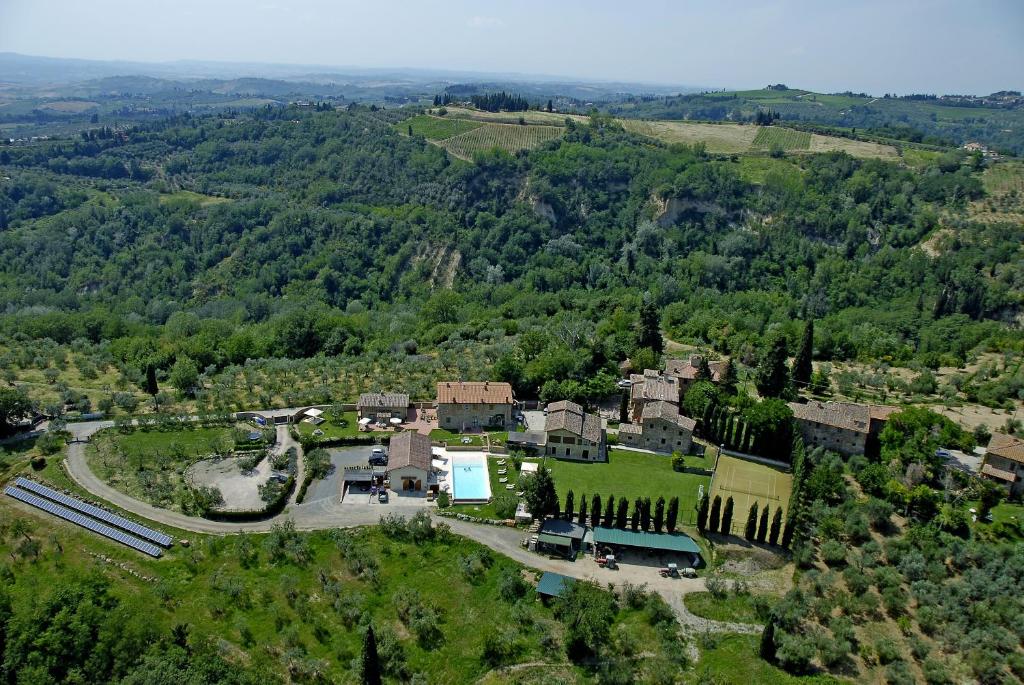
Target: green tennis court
[(748, 482)]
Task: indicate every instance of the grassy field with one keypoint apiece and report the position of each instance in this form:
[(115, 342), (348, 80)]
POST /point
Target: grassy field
[(508, 137), (631, 475), (190, 196), (732, 607), (855, 148), (720, 138), (149, 465), (436, 128), (531, 117), (748, 482), (734, 659), (769, 137)]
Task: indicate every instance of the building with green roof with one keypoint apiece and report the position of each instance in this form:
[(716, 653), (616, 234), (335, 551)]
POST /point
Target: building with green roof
[(640, 539)]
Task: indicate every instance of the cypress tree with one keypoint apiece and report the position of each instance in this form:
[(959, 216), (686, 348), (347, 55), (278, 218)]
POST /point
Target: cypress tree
[(609, 511), (410, 130), (773, 533), (151, 387), (716, 512), (634, 520), (702, 513), (673, 515), (762, 526), (370, 661), (750, 532), (727, 518), (649, 334), (645, 514), (622, 514), (582, 518), (772, 376), (595, 511), (802, 362), (729, 380), (569, 508), (659, 515), (767, 648), (624, 408)]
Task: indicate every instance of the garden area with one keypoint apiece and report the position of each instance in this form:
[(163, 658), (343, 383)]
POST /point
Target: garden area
[(631, 475), (458, 439), (150, 464)]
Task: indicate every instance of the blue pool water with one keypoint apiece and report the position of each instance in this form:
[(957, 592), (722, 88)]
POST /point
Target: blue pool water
[(470, 481)]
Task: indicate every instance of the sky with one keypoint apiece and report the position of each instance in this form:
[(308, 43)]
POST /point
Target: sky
[(875, 46)]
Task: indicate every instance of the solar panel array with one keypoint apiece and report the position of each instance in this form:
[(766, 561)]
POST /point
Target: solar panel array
[(84, 521), (97, 513)]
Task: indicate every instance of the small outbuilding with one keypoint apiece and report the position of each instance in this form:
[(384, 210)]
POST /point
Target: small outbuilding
[(677, 543), (410, 462), (553, 585), (383, 406), (561, 537)]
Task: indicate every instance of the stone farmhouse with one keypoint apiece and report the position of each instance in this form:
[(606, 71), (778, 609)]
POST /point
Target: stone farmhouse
[(661, 429), (842, 427), (470, 406), (382, 406), (410, 463), (574, 434), (1004, 462), (685, 371), (651, 386)]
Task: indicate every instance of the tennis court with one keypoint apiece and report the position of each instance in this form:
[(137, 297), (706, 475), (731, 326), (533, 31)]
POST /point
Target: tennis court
[(748, 482)]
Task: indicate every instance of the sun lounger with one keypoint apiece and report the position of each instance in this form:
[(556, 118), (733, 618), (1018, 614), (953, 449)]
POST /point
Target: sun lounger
[(510, 487), (503, 480)]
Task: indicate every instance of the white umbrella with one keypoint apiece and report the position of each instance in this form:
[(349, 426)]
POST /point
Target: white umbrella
[(395, 421), (365, 421)]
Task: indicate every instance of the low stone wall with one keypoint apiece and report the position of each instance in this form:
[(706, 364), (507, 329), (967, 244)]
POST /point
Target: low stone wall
[(510, 523)]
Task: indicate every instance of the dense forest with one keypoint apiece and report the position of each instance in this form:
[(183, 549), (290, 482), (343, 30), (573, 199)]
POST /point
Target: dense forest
[(296, 232)]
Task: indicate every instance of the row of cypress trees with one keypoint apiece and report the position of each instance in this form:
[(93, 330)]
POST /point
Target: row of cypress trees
[(662, 515)]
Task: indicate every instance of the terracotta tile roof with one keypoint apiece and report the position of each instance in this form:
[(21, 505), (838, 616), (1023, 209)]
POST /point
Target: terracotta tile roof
[(409, 448), (686, 369), (376, 400), (570, 416), (1008, 476), (669, 412), (1007, 447), (847, 416), (478, 392), (654, 387)]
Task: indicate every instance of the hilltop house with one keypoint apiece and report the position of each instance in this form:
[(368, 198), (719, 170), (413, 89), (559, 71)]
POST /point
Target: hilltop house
[(465, 406), (410, 462), (574, 434), (685, 371), (842, 427), (1004, 462), (661, 429), (651, 386), (383, 406)]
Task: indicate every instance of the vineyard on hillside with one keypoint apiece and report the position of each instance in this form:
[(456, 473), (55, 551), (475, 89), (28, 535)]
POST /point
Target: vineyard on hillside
[(508, 137), (769, 137), (436, 128)]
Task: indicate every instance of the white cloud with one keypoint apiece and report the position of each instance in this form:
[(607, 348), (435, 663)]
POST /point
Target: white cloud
[(479, 22)]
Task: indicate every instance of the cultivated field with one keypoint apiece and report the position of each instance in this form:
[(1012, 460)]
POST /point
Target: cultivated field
[(854, 148), (436, 128), (721, 138), (748, 482), (769, 137), (530, 117), (508, 137)]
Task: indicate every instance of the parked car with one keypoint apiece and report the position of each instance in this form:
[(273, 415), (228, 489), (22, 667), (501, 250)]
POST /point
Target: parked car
[(378, 457), (382, 496), (624, 383), (689, 573)]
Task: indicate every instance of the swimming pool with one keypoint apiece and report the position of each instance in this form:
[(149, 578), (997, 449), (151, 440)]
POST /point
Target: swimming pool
[(470, 481)]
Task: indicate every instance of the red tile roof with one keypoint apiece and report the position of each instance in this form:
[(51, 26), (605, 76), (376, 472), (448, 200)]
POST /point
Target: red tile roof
[(482, 392), (1006, 446)]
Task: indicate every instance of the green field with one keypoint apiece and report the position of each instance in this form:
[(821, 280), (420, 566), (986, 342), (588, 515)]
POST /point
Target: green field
[(734, 659), (773, 137), (631, 475), (733, 607), (748, 482), (508, 137), (436, 128)]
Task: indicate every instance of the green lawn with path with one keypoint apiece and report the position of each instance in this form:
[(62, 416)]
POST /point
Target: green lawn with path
[(456, 439), (738, 608)]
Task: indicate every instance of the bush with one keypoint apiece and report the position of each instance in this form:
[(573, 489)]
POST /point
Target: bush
[(834, 553), (498, 648), (38, 463), (935, 672), (505, 507), (443, 500), (795, 652), (887, 650), (717, 587), (898, 673), (511, 586)]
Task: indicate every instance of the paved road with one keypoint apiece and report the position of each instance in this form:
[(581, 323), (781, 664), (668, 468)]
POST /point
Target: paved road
[(329, 512)]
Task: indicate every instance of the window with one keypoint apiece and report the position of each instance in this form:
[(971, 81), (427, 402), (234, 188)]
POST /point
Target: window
[(554, 438), (567, 451), (586, 454), (663, 441)]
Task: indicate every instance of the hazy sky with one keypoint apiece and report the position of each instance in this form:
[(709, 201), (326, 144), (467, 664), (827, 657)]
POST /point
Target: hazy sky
[(943, 46)]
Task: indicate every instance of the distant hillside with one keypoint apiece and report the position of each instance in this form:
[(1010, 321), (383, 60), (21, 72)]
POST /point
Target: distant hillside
[(996, 120)]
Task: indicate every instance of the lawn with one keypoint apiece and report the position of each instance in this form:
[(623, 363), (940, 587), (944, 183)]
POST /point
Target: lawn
[(436, 128), (149, 465), (748, 482), (631, 475), (732, 607), (348, 428), (734, 659), (456, 439)]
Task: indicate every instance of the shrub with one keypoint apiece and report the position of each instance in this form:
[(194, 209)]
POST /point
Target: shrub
[(511, 585), (935, 672), (444, 501), (898, 673), (834, 553), (504, 506), (498, 647), (887, 650), (717, 587), (795, 652)]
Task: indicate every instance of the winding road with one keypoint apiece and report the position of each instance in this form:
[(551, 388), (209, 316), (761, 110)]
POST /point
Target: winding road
[(329, 512)]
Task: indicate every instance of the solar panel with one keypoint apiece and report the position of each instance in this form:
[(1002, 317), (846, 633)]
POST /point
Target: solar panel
[(84, 521), (97, 513)]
